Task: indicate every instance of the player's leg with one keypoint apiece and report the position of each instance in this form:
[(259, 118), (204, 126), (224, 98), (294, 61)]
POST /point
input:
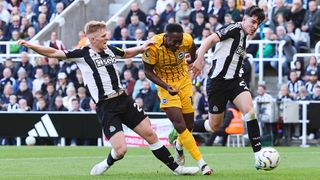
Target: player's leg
[(159, 150), (244, 102), (119, 149), (110, 121)]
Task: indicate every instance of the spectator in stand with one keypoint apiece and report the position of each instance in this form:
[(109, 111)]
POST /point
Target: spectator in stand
[(37, 96), (79, 80), (288, 48), (23, 105), (23, 6), (294, 84), (279, 8), (162, 4), (52, 68), (297, 13), (54, 42), (82, 40), (139, 36), (148, 96), (59, 9), (134, 25), (312, 81), (299, 68), (41, 23), (184, 10), (38, 81), (7, 79), (58, 105), (186, 24), (25, 64), (135, 10), (128, 82), (313, 65), (205, 33), (46, 81), (301, 39), (9, 64), (198, 26), (151, 33), (268, 49), (138, 84), (62, 84), (25, 24), (30, 15), (15, 48), (12, 106), (15, 12), (5, 94), (125, 37), (213, 20), (84, 99), (50, 96), (43, 9), (25, 93), (30, 34), (232, 9), (121, 23), (42, 105), (22, 76), (70, 68), (156, 26), (168, 13), (4, 13), (67, 100), (311, 23), (128, 65), (2, 38), (197, 9)]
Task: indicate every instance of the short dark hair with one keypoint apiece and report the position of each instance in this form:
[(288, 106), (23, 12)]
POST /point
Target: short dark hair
[(255, 11), (173, 28)]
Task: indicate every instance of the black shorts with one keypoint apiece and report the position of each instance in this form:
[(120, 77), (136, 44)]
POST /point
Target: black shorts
[(115, 111), (220, 91)]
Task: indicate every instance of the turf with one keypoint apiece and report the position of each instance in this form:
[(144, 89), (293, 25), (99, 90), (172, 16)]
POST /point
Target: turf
[(75, 163)]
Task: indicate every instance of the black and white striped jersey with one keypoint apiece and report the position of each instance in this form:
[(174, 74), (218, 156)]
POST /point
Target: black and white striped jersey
[(228, 56), (99, 70)]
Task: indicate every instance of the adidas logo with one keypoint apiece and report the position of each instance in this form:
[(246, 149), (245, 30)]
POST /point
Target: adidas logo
[(44, 128)]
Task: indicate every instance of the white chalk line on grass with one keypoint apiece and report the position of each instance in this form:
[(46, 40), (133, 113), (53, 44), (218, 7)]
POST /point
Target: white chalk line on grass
[(128, 156)]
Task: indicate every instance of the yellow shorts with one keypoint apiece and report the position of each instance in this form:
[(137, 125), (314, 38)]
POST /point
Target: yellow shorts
[(182, 100)]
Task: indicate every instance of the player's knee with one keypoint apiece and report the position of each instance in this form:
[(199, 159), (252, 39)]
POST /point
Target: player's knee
[(151, 137), (251, 115)]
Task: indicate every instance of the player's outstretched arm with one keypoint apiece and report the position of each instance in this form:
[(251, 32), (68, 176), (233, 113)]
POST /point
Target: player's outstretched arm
[(205, 45), (43, 50), (132, 52)]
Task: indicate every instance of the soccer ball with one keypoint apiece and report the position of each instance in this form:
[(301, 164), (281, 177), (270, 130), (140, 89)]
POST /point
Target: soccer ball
[(268, 158), (30, 140)]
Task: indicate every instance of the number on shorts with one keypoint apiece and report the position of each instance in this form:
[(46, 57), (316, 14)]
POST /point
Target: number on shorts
[(137, 106)]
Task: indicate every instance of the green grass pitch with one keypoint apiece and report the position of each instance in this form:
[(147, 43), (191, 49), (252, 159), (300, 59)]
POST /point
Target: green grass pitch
[(75, 163)]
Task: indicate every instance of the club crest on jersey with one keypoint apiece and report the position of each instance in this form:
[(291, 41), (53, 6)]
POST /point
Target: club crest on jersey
[(240, 51), (100, 62), (181, 55), (164, 100)]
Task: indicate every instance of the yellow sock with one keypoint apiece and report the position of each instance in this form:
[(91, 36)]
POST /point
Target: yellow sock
[(189, 143)]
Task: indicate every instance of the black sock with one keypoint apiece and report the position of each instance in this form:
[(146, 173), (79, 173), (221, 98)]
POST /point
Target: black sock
[(111, 160), (254, 135), (164, 155), (199, 126)]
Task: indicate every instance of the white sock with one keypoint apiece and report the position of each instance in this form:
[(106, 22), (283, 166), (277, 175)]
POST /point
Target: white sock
[(201, 163), (114, 154), (207, 126)]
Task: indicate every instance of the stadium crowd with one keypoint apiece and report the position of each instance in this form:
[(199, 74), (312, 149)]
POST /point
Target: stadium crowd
[(53, 85)]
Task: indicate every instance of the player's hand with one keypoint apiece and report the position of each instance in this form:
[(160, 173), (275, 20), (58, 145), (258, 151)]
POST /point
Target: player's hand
[(23, 43), (146, 44), (172, 91), (197, 66)]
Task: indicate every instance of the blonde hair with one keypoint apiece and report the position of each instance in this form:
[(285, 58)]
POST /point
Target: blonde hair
[(93, 26)]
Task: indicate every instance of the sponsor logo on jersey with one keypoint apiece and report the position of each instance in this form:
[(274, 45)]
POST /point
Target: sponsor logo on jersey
[(108, 61)]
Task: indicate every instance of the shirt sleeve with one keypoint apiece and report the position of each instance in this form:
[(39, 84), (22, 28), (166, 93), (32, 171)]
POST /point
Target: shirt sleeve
[(229, 31), (188, 40), (149, 56), (117, 51), (73, 53)]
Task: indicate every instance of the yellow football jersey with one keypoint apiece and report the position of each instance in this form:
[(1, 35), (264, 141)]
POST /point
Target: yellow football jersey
[(168, 66)]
